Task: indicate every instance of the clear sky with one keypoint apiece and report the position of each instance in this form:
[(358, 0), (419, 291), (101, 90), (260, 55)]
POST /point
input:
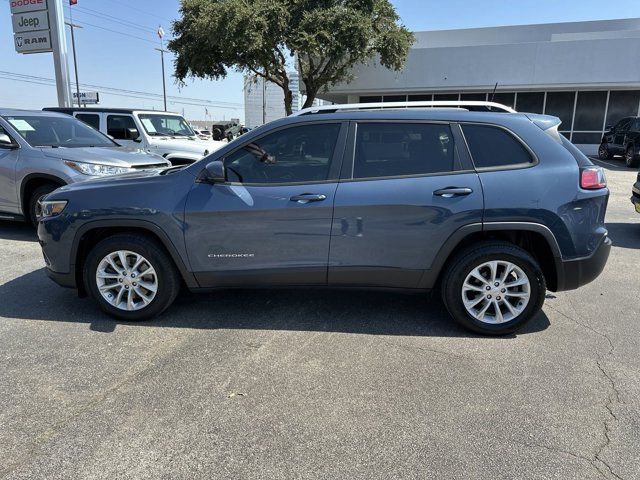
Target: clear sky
[(116, 48)]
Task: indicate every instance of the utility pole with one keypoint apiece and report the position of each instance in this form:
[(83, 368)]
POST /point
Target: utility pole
[(75, 62), (264, 100), (162, 50)]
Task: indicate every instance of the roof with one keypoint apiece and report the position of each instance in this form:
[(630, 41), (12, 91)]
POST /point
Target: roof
[(7, 112), (69, 110)]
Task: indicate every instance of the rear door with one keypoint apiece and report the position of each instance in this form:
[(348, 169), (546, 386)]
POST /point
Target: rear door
[(270, 223), (406, 188), (620, 133)]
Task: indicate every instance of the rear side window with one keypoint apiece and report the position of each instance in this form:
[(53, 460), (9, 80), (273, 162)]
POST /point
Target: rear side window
[(118, 125), (90, 119), (401, 149), (493, 147)]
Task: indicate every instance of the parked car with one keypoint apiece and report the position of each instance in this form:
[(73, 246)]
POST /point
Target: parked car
[(163, 133), (623, 138), (635, 194), (492, 208), (41, 151), (226, 130), (202, 134)]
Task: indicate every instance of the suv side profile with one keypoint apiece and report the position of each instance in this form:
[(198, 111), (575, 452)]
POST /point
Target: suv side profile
[(162, 133), (623, 138), (492, 208)]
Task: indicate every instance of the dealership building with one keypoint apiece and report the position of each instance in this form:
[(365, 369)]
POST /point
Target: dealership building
[(585, 73)]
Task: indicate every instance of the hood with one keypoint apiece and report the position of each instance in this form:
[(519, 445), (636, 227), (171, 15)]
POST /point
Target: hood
[(187, 144), (123, 178), (115, 156)]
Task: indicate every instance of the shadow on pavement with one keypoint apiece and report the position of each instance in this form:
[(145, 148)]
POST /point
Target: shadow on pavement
[(17, 231), (35, 297), (625, 235), (615, 164)]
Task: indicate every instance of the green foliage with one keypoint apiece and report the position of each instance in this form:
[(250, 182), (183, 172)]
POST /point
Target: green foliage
[(265, 37)]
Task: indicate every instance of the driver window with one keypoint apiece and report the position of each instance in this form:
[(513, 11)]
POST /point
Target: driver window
[(118, 125), (297, 154)]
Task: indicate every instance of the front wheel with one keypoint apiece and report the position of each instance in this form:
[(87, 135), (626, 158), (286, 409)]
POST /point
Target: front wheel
[(630, 157), (494, 288), (35, 201), (131, 277), (603, 152)]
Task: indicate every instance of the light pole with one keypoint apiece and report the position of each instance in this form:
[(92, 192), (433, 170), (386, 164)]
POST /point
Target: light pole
[(75, 62), (162, 50)]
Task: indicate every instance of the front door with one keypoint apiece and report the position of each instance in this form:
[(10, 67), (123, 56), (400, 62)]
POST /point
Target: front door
[(119, 126), (410, 187), (270, 222), (620, 133), (8, 190)]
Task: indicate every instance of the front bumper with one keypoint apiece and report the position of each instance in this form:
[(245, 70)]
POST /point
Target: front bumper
[(67, 280), (580, 271), (635, 196)]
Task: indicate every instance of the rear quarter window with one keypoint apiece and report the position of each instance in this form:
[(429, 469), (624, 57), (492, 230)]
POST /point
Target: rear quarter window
[(495, 147)]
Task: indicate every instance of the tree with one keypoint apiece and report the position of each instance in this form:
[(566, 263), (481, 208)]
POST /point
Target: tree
[(325, 38)]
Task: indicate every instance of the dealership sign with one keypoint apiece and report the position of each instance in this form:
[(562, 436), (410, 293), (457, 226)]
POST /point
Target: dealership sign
[(30, 20), (86, 98)]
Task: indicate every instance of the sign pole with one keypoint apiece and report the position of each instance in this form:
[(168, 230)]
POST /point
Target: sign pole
[(59, 46), (75, 61)]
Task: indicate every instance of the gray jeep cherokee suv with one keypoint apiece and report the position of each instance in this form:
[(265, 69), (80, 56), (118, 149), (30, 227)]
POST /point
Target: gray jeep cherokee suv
[(492, 208)]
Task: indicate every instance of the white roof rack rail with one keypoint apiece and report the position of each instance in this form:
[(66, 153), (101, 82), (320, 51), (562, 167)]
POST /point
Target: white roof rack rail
[(465, 105)]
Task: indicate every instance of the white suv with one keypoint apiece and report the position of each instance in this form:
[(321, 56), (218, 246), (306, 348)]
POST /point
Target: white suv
[(163, 133)]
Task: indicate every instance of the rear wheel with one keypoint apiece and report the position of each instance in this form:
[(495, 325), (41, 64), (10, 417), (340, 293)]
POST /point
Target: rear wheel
[(603, 152), (131, 277), (630, 157), (35, 201), (494, 288)]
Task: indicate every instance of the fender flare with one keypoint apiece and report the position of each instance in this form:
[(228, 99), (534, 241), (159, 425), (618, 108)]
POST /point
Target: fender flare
[(430, 276), (151, 227), (38, 176)]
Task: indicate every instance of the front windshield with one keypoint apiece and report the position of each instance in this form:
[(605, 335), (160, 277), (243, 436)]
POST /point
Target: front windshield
[(63, 131), (166, 125)]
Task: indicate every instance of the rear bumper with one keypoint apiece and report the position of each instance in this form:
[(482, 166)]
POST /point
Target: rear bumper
[(575, 273)]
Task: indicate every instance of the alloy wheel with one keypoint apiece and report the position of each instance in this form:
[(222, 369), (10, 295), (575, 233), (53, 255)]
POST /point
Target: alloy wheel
[(496, 292), (126, 280)]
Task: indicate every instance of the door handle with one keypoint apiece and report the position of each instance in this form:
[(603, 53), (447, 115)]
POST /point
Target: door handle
[(308, 197), (453, 192)]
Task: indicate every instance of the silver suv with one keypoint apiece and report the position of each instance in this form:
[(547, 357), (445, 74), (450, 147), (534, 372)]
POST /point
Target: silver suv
[(42, 151)]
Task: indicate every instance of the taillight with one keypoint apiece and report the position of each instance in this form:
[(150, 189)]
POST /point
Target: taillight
[(592, 178)]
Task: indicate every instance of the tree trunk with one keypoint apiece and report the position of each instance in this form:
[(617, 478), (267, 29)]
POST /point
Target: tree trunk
[(311, 96), (288, 101)]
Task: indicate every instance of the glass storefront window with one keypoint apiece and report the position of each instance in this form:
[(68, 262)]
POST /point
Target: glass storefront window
[(421, 98), (371, 99), (622, 104), (560, 104), (445, 96), (394, 98), (507, 99), (476, 97), (590, 111), (531, 102)]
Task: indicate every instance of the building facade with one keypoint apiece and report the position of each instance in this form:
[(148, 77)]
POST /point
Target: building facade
[(264, 101), (585, 73)]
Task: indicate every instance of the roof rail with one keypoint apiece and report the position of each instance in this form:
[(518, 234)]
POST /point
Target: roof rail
[(467, 105)]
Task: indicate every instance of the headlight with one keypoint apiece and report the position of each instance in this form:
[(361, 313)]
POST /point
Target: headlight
[(52, 208), (96, 169)]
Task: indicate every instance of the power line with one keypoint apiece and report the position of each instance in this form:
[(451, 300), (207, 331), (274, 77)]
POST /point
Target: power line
[(146, 12), (118, 32), (110, 18), (121, 92)]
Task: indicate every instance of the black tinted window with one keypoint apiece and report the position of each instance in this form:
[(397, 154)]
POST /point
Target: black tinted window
[(494, 147), (118, 125), (297, 154), (90, 119), (395, 149), (636, 125)]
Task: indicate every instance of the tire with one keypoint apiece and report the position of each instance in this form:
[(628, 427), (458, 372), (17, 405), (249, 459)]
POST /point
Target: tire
[(34, 199), (461, 267), (165, 277), (630, 157), (603, 152)]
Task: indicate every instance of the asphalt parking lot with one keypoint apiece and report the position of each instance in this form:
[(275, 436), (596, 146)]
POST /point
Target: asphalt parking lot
[(320, 384)]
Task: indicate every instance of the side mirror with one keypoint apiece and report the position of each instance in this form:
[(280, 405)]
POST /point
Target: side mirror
[(214, 173), (6, 142), (133, 133)]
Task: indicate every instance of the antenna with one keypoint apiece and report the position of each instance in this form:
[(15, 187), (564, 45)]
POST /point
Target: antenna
[(493, 94)]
